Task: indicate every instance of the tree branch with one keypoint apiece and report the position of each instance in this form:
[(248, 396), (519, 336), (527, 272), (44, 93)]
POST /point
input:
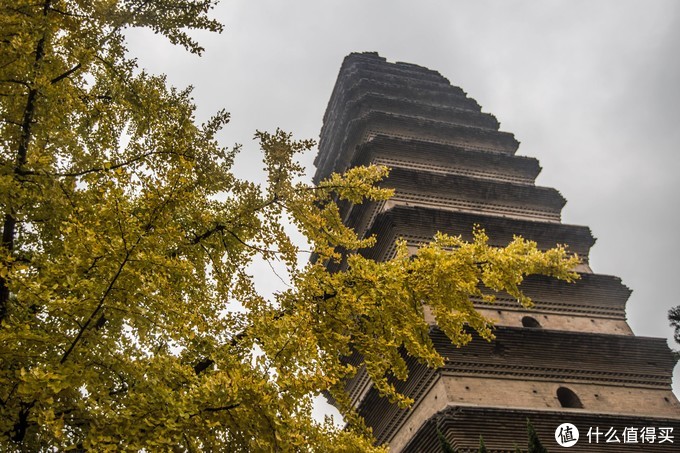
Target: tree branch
[(222, 408), (66, 74), (126, 259), (9, 226), (113, 281)]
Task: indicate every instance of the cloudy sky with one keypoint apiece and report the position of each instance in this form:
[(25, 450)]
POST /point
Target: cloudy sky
[(589, 88)]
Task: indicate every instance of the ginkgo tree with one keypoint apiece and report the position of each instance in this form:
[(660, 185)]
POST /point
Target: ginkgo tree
[(128, 320)]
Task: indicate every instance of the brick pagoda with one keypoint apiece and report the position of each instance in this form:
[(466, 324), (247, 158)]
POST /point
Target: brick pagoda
[(572, 358)]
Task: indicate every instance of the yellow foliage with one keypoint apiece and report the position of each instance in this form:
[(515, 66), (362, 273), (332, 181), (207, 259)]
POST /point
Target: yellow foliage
[(121, 268)]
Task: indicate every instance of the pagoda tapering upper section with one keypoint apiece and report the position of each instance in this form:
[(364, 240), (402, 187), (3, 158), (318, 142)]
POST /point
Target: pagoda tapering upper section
[(452, 168), (401, 100)]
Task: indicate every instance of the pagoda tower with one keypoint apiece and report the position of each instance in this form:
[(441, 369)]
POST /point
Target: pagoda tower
[(570, 359)]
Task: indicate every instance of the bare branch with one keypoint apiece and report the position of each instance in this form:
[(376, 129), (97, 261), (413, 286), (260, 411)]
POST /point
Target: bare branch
[(222, 408), (66, 74)]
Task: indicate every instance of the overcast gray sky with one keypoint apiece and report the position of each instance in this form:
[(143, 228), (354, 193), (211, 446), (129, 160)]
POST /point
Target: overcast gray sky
[(589, 88)]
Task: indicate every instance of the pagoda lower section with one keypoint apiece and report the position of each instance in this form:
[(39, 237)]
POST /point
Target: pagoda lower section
[(571, 358), (501, 427)]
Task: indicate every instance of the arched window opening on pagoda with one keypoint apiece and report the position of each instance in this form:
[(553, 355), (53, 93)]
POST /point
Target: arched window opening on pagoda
[(528, 321), (568, 398)]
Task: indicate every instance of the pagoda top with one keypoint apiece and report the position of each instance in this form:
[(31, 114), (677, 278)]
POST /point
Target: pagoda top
[(370, 87), (367, 59)]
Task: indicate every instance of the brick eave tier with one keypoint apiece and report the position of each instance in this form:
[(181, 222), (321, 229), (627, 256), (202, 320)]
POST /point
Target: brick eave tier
[(530, 355), (501, 428), (448, 159), (360, 129), (419, 224)]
